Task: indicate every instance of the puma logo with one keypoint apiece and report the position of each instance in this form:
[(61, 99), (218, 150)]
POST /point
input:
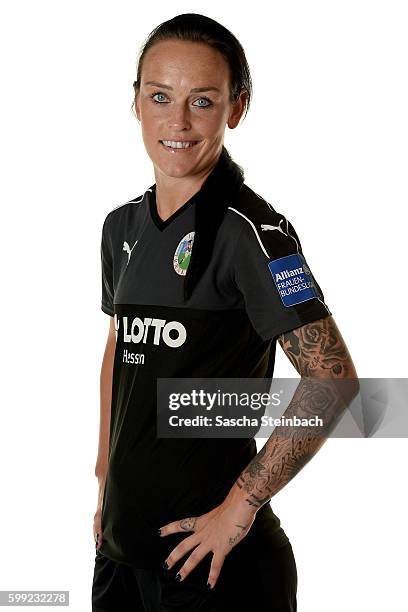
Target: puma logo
[(266, 227), (128, 250)]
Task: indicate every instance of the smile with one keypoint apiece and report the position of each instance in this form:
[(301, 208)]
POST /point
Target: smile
[(179, 144)]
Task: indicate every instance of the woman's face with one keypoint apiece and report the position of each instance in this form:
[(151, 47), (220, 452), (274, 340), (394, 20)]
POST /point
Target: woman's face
[(185, 96)]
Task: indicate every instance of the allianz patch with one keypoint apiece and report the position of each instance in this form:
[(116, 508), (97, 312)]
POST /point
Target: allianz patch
[(293, 279)]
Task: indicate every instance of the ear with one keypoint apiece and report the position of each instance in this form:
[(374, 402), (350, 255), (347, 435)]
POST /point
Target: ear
[(237, 109)]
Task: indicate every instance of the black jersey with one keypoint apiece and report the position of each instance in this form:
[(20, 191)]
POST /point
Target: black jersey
[(256, 286)]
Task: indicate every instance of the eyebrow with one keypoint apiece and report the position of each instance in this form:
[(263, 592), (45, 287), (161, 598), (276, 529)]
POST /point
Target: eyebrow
[(194, 90)]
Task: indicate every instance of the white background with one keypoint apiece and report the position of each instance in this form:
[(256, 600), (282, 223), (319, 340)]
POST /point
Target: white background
[(325, 141)]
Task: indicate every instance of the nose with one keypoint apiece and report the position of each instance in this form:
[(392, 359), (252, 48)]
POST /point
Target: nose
[(179, 116)]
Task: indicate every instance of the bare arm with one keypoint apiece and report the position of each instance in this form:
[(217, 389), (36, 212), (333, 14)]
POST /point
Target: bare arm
[(318, 352), (101, 466)]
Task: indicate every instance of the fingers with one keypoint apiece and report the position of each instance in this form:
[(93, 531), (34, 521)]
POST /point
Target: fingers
[(215, 569), (194, 559), (181, 549), (187, 524), (97, 530)]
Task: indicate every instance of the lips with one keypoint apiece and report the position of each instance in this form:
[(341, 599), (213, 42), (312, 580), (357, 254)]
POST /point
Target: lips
[(179, 145)]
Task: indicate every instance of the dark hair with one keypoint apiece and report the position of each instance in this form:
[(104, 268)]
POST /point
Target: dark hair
[(194, 27)]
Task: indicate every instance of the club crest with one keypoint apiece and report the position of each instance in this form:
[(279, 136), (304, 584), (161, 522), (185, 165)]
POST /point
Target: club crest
[(182, 254)]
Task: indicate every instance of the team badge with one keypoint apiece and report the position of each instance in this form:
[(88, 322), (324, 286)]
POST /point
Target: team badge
[(182, 254), (293, 279)]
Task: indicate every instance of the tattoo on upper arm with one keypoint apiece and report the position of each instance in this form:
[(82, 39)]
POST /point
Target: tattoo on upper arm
[(318, 349)]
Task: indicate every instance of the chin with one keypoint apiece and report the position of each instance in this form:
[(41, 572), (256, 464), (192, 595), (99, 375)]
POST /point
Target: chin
[(176, 168), (176, 171)]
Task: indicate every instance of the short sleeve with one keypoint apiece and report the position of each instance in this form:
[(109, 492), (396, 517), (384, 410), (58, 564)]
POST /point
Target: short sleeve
[(270, 270), (107, 272)]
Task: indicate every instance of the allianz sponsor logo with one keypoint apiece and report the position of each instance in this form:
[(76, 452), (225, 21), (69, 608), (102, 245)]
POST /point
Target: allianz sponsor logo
[(151, 330), (285, 274)]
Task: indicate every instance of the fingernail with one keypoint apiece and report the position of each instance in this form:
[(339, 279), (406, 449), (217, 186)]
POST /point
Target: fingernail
[(177, 577), (159, 532), (209, 587), (164, 565)]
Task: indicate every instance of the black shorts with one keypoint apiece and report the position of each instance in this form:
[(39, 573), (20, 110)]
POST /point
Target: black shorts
[(252, 579)]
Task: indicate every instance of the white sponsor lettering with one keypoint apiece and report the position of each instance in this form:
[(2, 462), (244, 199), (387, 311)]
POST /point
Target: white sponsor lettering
[(280, 276), (154, 330)]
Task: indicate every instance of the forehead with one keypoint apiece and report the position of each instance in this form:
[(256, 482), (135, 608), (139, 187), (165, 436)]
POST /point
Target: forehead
[(185, 61)]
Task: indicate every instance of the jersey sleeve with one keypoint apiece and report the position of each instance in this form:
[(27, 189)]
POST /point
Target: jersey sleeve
[(107, 272), (271, 272)]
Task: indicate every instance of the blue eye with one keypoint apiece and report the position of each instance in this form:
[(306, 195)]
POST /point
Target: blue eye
[(206, 100), (157, 94)]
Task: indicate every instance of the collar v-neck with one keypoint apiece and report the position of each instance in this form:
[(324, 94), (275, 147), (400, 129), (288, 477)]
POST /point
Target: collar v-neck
[(157, 220)]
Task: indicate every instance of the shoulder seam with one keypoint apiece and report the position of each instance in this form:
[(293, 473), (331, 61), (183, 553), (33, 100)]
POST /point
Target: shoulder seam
[(136, 200), (266, 227), (253, 227)]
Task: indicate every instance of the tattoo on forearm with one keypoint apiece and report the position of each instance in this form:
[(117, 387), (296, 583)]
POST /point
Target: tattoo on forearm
[(319, 354)]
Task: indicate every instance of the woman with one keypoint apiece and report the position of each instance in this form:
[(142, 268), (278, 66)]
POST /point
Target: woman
[(188, 280)]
